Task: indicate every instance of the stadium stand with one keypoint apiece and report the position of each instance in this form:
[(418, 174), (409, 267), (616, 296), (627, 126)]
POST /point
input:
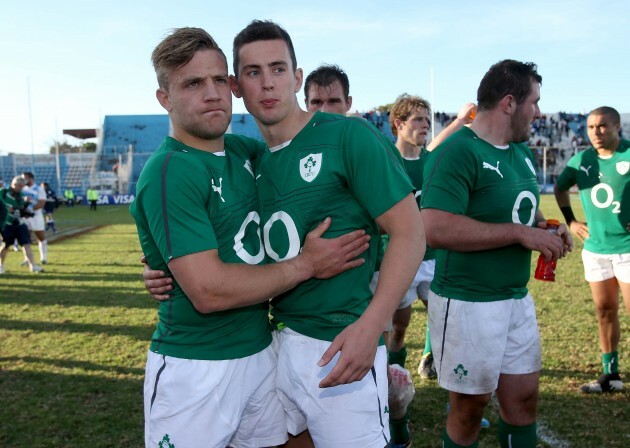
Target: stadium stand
[(244, 124), (126, 142)]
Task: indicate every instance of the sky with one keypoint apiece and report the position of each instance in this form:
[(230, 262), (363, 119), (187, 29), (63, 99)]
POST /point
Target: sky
[(66, 64)]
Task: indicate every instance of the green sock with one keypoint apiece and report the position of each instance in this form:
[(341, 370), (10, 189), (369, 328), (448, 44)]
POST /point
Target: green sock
[(511, 436), (610, 361), (427, 342), (399, 429), (448, 443), (399, 357)]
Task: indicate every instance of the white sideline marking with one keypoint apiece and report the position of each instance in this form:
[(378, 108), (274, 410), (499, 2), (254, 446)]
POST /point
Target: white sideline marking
[(546, 435)]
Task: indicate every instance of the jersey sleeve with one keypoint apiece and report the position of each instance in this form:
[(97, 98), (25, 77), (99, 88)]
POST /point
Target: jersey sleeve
[(568, 176), (375, 172), (449, 177), (41, 194), (175, 208)]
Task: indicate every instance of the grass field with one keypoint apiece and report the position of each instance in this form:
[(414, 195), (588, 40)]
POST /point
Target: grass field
[(73, 344)]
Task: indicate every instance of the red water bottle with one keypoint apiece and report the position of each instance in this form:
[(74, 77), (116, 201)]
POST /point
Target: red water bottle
[(546, 270)]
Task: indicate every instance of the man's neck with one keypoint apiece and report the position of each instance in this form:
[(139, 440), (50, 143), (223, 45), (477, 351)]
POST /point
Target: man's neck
[(606, 152), (285, 130), (489, 127), (213, 145), (408, 150)]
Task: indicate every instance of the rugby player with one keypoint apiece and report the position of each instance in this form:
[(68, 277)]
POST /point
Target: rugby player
[(602, 175), (480, 208), (318, 165), (327, 89), (410, 122), (36, 195)]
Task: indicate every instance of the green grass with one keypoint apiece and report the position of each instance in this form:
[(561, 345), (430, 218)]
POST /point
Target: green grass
[(73, 340), (73, 344)]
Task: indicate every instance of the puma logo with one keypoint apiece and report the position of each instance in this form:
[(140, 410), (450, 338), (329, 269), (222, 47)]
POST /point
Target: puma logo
[(248, 167), (219, 188), (585, 169), (493, 168)]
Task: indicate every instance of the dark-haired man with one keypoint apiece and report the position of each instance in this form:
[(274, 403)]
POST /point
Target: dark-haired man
[(332, 371), (602, 174), (480, 207), (327, 89)]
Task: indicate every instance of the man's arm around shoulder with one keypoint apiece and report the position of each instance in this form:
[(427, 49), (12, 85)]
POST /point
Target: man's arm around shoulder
[(213, 285)]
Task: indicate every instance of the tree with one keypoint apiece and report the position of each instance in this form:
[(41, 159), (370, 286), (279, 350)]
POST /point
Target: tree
[(65, 147)]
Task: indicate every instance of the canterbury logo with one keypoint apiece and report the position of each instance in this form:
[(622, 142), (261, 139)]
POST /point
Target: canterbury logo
[(219, 188), (586, 170), (493, 168)]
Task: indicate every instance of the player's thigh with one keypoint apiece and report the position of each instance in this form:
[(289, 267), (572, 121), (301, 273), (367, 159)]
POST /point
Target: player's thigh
[(37, 223), (9, 234), (263, 421), (23, 235), (597, 267), (469, 341), (621, 267), (522, 349), (197, 403), (412, 292), (425, 277), (346, 415)]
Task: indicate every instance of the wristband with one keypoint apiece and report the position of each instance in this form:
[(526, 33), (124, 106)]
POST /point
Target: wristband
[(567, 212)]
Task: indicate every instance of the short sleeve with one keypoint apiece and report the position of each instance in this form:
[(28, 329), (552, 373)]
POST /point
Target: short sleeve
[(374, 167)]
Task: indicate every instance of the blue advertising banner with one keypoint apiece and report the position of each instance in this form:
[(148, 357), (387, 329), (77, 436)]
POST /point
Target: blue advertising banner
[(114, 199)]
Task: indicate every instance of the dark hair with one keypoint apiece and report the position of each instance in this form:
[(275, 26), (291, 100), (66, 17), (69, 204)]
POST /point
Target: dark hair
[(177, 50), (605, 110), (325, 75), (28, 175), (507, 77), (261, 30)]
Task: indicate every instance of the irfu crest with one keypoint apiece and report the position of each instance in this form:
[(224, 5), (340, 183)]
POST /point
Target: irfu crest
[(310, 166)]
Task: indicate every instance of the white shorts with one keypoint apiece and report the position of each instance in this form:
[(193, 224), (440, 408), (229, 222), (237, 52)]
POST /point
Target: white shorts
[(419, 287), (36, 223), (196, 403), (474, 342), (352, 415), (600, 267)]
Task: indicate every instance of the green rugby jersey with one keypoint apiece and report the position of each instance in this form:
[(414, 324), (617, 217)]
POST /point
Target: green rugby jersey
[(190, 201), (604, 185), (415, 170), (468, 176), (17, 201), (338, 167)]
